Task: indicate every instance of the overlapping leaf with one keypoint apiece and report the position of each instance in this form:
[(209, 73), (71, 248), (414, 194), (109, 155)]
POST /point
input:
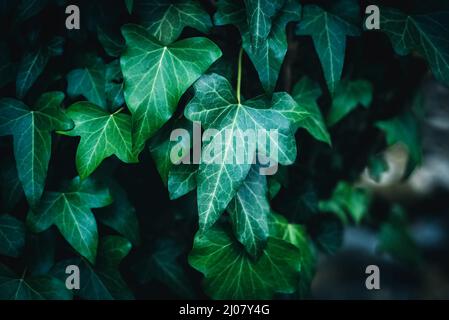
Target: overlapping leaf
[(102, 135), (165, 19), (70, 211), (12, 236), (31, 129), (156, 76)]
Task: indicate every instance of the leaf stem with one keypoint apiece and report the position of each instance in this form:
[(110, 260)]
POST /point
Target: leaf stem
[(239, 74), (118, 110)]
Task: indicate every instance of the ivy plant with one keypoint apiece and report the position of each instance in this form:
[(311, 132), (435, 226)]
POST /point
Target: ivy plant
[(92, 174)]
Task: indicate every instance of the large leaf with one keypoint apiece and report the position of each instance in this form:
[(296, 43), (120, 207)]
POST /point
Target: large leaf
[(230, 273), (163, 265), (102, 135), (165, 19), (249, 212), (427, 34), (12, 236), (305, 92), (259, 15), (221, 174), (269, 55), (104, 281), (14, 287), (156, 76), (31, 129), (329, 32), (70, 211)]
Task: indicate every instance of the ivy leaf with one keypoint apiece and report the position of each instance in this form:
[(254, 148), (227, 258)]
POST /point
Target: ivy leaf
[(12, 236), (7, 69), (269, 55), (70, 211), (112, 43), (426, 34), (216, 106), (404, 129), (156, 76), (11, 188), (121, 215), (104, 281), (29, 69), (31, 129), (249, 212), (347, 200), (163, 266), (114, 86), (230, 273), (129, 6), (16, 287), (328, 32), (27, 9), (347, 97), (165, 19), (296, 234), (88, 82), (102, 135), (328, 233), (305, 92), (259, 15)]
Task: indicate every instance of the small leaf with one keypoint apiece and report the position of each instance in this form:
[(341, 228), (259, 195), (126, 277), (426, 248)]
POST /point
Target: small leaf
[(12, 236), (30, 67)]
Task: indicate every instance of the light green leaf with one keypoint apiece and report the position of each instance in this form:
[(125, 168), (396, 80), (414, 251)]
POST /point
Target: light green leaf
[(70, 211), (163, 265), (215, 106), (427, 34), (230, 273), (156, 76), (165, 19), (249, 212), (328, 32), (102, 135), (31, 129), (14, 287), (347, 97), (269, 55), (12, 236)]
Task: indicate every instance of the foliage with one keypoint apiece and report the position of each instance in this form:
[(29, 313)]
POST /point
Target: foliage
[(87, 176)]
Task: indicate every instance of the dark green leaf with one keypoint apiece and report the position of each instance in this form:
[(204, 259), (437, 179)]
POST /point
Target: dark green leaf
[(12, 236)]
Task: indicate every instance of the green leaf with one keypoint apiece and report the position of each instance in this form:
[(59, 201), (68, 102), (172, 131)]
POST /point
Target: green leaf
[(129, 6), (121, 215), (156, 76), (7, 68), (328, 234), (12, 236), (163, 266), (269, 55), (14, 287), (88, 82), (181, 180), (404, 129), (297, 236), (29, 69), (215, 106), (102, 135), (11, 188), (305, 92), (249, 212), (165, 19), (29, 8), (112, 43), (427, 34), (31, 129), (70, 211), (114, 86), (259, 17), (377, 165), (328, 32), (230, 273), (104, 280), (347, 97), (347, 200)]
